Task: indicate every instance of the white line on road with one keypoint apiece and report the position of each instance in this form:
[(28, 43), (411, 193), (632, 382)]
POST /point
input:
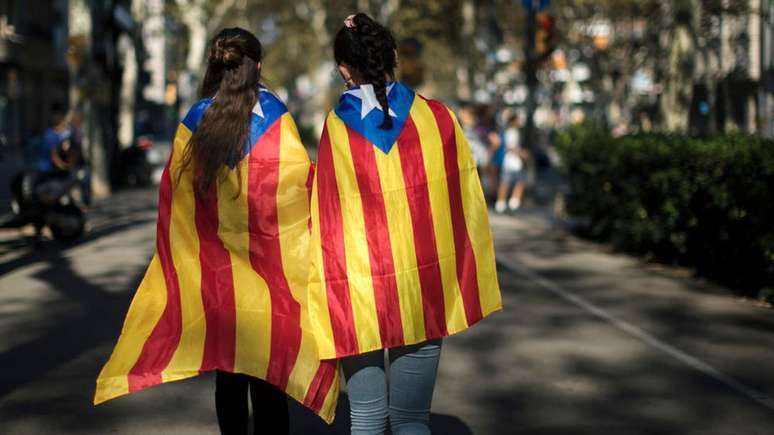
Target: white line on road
[(645, 337)]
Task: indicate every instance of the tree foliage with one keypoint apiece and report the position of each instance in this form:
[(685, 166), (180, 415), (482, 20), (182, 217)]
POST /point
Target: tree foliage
[(703, 203), (681, 41)]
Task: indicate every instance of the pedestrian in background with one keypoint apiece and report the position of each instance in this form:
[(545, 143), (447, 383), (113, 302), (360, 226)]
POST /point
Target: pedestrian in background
[(402, 252), (478, 146), (57, 151), (512, 179)]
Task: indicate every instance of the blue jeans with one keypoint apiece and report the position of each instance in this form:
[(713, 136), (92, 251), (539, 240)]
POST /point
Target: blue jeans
[(412, 375)]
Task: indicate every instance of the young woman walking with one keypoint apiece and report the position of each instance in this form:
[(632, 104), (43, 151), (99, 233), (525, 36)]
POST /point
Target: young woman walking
[(402, 252), (225, 289)]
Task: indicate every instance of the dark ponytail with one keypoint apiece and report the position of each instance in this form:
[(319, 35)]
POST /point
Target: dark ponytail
[(232, 78), (369, 48)]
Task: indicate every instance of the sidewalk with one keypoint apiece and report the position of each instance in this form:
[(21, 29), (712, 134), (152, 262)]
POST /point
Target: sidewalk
[(11, 163), (590, 342), (608, 344)]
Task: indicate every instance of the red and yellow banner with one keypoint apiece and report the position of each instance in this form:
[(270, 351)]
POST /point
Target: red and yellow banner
[(226, 288), (401, 246)]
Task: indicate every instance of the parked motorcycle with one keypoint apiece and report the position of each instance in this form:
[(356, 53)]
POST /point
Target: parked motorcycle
[(136, 168), (46, 201)]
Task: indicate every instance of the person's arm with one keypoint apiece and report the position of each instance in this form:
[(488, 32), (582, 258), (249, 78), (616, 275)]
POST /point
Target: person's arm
[(494, 140), (59, 163)]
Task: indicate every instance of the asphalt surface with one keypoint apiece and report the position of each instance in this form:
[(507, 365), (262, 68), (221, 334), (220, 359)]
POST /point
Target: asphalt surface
[(590, 342)]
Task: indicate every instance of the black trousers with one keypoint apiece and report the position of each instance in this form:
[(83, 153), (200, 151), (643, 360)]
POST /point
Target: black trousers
[(270, 406)]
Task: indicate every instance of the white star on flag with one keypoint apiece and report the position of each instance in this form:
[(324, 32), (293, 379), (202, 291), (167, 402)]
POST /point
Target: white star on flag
[(367, 95), (257, 109)]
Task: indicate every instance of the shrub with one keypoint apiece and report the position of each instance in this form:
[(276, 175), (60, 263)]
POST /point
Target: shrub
[(705, 203)]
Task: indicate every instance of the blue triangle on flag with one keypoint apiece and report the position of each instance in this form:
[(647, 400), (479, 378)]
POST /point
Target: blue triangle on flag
[(350, 109), (267, 110)]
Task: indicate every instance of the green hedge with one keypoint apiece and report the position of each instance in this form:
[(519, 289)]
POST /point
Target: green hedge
[(706, 203)]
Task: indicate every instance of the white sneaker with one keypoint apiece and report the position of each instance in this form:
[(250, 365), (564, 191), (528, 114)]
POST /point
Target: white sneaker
[(500, 206), (514, 204)]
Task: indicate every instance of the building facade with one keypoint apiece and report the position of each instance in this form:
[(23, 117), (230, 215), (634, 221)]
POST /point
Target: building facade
[(33, 70)]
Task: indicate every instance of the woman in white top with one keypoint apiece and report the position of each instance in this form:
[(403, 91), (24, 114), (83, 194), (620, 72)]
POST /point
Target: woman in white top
[(512, 174)]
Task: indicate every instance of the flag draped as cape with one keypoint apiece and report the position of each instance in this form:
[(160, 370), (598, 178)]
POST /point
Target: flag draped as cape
[(401, 246), (226, 287)]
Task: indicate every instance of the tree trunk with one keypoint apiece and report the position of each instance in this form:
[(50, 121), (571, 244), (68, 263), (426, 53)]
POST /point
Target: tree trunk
[(675, 100), (316, 14), (83, 75), (465, 67), (128, 94), (767, 63), (195, 20), (201, 26)]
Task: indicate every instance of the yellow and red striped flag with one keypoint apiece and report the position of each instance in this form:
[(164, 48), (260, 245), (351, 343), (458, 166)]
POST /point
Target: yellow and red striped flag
[(401, 246), (226, 288)]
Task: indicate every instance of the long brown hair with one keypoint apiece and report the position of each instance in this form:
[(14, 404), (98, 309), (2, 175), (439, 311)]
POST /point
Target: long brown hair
[(232, 78), (369, 48)]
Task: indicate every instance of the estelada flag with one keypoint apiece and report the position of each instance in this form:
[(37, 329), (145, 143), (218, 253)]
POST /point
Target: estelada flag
[(226, 288), (401, 246)]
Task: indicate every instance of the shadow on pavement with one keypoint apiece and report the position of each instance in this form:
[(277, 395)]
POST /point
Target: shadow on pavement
[(542, 366), (549, 367), (47, 381), (98, 310), (109, 217), (303, 422)]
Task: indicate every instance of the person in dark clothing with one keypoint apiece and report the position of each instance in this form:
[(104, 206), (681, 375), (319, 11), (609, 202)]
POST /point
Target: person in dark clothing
[(270, 411)]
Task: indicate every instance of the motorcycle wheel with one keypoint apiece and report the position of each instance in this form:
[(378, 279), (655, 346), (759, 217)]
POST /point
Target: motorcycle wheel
[(67, 223)]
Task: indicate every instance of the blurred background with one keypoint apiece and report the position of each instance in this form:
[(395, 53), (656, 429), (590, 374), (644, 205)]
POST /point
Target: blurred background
[(626, 149), (131, 68), (120, 74)]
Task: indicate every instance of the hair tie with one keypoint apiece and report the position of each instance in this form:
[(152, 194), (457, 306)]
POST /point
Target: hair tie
[(349, 22)]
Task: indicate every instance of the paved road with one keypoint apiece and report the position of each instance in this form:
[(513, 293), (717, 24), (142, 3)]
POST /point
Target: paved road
[(11, 163), (591, 342)]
